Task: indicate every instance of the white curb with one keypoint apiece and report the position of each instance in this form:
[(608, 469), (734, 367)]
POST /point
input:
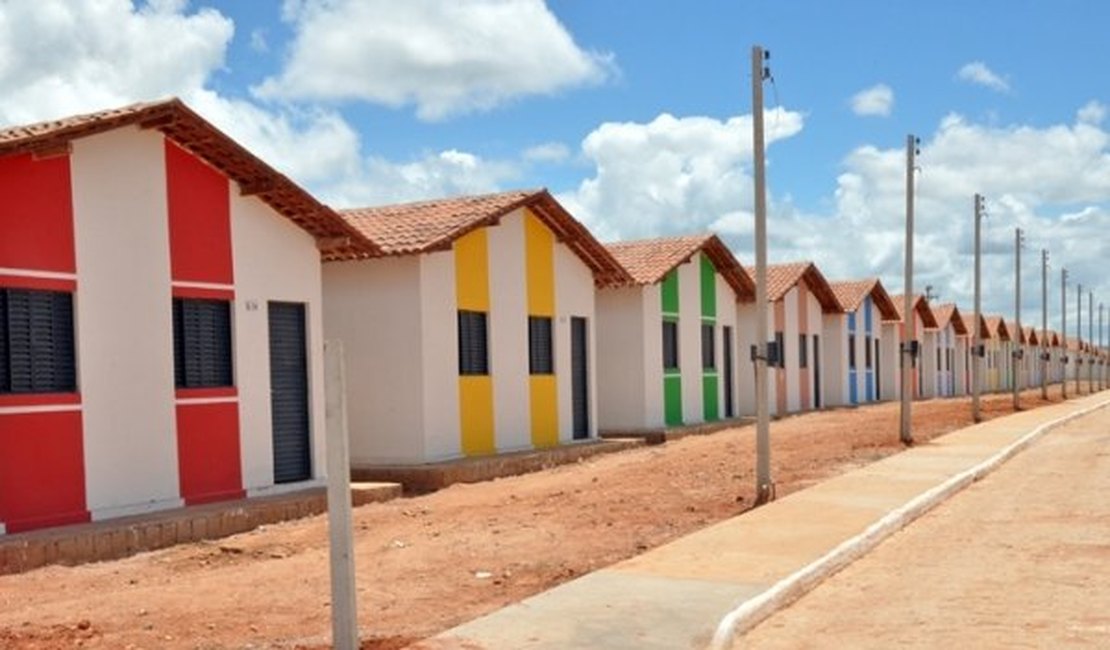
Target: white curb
[(792, 587)]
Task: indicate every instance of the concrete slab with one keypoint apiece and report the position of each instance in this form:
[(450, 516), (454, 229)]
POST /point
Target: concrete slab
[(673, 596), (609, 609)]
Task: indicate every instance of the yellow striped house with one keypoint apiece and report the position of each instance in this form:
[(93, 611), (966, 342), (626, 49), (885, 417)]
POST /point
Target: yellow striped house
[(473, 333)]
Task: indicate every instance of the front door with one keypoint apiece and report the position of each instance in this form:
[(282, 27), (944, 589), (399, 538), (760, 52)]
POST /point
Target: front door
[(289, 392), (878, 372), (816, 371), (727, 358), (579, 377)]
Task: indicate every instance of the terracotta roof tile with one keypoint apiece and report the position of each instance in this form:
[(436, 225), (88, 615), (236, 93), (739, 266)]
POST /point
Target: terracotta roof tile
[(851, 294), (425, 226), (192, 132), (949, 312), (996, 327), (781, 278), (928, 320), (648, 260)]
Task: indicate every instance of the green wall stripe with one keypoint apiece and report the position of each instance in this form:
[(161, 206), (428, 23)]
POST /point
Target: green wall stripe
[(672, 400), (710, 405), (708, 288), (670, 292)]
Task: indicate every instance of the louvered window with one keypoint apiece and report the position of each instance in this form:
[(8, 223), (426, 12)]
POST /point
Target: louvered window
[(852, 351), (473, 343), (867, 351), (36, 342), (670, 345), (708, 349), (540, 352), (803, 357), (201, 343)]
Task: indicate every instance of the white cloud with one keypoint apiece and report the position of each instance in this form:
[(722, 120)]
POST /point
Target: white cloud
[(671, 175), (258, 41), (1053, 182), (58, 57), (876, 100), (977, 72), (1092, 112), (446, 58), (549, 152)]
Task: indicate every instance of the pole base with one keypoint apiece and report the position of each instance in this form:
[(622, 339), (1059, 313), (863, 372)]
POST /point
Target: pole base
[(764, 493)]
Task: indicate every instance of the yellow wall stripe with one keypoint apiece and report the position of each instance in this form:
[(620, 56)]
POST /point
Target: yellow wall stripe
[(472, 271), (539, 259), (475, 391)]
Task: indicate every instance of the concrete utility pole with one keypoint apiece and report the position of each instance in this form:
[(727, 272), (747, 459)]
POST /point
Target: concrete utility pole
[(1018, 354), (1064, 332), (1044, 323), (906, 432), (1078, 337), (764, 487), (1091, 340), (344, 606), (1102, 352), (977, 341)]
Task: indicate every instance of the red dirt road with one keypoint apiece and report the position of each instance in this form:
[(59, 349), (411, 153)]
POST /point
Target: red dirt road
[(431, 562), (1018, 560)]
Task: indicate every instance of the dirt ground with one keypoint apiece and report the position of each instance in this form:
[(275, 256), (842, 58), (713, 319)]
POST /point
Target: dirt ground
[(1017, 560), (431, 562)]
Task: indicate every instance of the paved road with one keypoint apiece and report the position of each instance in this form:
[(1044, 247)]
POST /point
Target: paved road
[(1018, 560)]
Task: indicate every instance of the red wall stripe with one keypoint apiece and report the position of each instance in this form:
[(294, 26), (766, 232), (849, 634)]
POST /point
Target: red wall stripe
[(204, 293), (40, 399), (42, 470), (208, 452), (206, 393), (199, 202), (9, 281), (36, 214)]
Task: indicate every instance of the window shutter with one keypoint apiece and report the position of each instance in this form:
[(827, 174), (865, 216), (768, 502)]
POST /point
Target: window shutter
[(473, 348), (36, 342), (708, 351), (202, 343), (5, 373), (540, 349)]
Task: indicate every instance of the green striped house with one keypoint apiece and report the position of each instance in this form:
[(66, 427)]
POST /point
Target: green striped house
[(667, 340)]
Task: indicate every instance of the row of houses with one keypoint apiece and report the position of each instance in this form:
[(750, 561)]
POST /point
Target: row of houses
[(165, 295)]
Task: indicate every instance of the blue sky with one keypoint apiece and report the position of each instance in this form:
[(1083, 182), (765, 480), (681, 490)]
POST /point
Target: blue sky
[(636, 114)]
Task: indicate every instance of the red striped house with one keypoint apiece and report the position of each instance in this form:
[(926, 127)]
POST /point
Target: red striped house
[(160, 333)]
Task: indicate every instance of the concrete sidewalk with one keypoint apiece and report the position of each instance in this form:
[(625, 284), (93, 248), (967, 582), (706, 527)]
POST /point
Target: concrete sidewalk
[(673, 597)]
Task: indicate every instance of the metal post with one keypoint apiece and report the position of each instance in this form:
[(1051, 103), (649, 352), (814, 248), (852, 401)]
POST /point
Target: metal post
[(344, 609), (976, 359), (1044, 323), (763, 483), (908, 330), (1064, 333), (1016, 359)]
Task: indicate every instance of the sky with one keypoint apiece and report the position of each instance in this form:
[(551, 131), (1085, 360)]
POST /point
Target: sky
[(637, 115)]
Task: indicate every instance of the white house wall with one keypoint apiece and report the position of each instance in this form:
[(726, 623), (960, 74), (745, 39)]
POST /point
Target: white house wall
[(574, 296), (123, 320), (439, 344), (274, 261), (622, 375), (374, 308)]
